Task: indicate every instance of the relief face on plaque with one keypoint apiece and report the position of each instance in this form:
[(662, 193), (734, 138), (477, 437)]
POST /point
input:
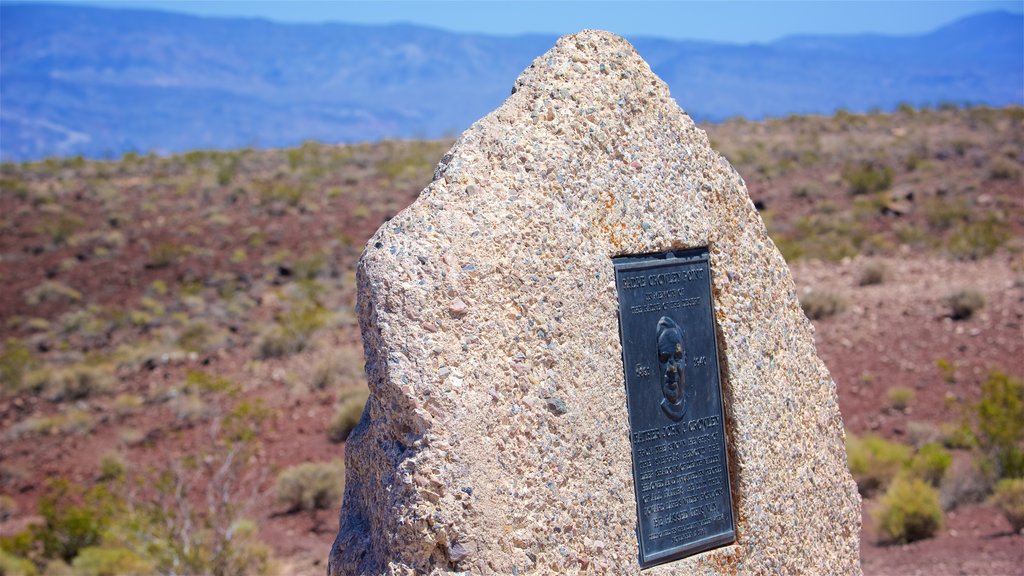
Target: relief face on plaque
[(672, 356), (674, 399)]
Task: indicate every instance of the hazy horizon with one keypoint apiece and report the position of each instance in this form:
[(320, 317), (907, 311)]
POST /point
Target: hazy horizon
[(735, 22)]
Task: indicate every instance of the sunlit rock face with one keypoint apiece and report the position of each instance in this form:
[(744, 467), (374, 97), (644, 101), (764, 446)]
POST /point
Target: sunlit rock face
[(496, 439)]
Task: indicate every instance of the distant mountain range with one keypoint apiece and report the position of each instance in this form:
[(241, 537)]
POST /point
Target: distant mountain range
[(101, 82)]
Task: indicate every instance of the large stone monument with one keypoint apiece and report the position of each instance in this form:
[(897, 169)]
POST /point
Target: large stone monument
[(586, 355)]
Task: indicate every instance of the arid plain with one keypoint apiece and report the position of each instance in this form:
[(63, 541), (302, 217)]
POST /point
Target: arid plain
[(179, 336)]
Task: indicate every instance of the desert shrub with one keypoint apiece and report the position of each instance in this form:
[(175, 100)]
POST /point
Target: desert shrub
[(195, 336), (201, 382), (74, 382), (943, 215), (350, 410), (73, 518), (824, 235), (413, 162), (968, 480), (283, 192), (99, 533), (921, 433), (867, 177), (100, 561), (112, 467), (978, 238), (59, 227), (899, 397), (874, 461), (52, 291), (963, 304), (819, 305), (227, 171), (179, 537), (8, 508), (1009, 499), (872, 274), (1000, 414), (126, 404), (930, 463), (293, 329), (909, 511), (190, 409), (71, 422), (957, 436), (276, 342), (311, 486), (15, 361), (325, 375), (947, 369), (1001, 168), (11, 565), (164, 254)]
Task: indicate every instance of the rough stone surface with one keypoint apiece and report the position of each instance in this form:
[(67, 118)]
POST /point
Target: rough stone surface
[(496, 437)]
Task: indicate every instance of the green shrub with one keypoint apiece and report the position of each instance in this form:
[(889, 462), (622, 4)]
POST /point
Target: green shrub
[(819, 305), (899, 397), (11, 565), (909, 511), (867, 177), (874, 461), (1009, 499), (98, 561), (73, 518), (930, 463), (1001, 423), (350, 410), (964, 303), (311, 486)]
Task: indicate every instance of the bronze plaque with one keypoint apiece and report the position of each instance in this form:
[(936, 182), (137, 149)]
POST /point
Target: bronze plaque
[(674, 396)]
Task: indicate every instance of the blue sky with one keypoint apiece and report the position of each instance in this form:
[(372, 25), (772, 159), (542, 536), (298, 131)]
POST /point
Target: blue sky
[(725, 21)]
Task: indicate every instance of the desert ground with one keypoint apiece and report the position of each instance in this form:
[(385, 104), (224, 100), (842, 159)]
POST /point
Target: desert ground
[(179, 333)]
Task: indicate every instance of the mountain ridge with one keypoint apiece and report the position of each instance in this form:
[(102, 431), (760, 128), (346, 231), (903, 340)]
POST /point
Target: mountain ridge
[(101, 82)]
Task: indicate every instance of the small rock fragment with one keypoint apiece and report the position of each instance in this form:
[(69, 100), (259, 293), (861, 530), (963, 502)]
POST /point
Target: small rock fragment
[(458, 307), (557, 406), (457, 552)]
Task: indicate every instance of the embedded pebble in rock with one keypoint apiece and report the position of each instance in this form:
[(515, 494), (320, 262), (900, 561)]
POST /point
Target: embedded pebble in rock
[(458, 307), (496, 438)]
